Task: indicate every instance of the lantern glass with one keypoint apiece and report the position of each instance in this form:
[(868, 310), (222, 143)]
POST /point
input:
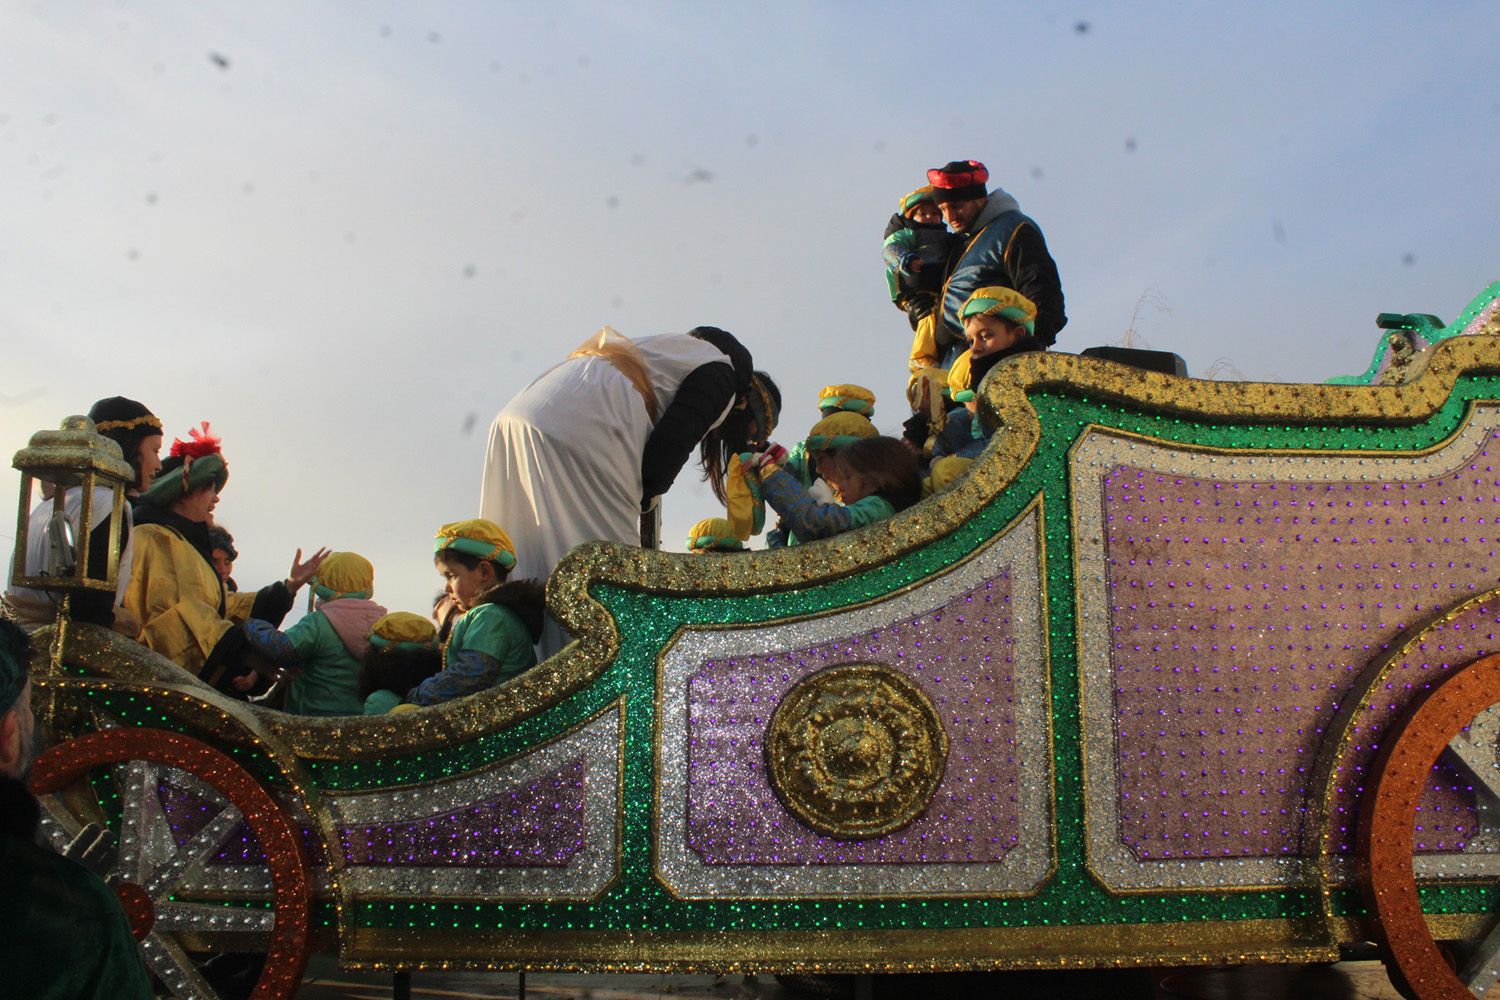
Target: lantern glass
[(84, 470)]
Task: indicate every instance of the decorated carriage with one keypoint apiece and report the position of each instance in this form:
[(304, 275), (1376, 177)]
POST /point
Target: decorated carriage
[(1181, 672)]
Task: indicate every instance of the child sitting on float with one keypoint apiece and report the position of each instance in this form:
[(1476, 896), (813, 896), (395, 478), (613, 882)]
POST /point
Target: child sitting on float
[(324, 649), (962, 435), (832, 399), (872, 478), (999, 323), (819, 449), (402, 652), (502, 619)]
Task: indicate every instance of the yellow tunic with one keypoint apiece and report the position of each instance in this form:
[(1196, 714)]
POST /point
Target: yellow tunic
[(177, 596)]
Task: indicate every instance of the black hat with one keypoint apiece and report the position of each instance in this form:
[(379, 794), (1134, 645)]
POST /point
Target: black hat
[(960, 180), (126, 423)]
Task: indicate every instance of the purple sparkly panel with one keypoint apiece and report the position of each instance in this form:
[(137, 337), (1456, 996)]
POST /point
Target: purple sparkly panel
[(1241, 614), (537, 825), (960, 655), (187, 812)]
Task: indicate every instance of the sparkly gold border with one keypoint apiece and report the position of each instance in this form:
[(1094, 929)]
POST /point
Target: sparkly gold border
[(926, 950)]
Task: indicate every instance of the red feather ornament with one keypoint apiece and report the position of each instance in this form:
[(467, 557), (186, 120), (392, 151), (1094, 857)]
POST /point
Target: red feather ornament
[(203, 443)]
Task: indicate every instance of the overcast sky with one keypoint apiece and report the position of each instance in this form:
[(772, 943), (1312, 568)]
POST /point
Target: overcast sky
[(346, 233)]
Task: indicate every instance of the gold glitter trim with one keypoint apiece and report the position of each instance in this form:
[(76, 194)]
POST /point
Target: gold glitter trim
[(932, 950)]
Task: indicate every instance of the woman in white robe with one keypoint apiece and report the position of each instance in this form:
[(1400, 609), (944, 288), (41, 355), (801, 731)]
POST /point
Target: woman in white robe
[(578, 455)]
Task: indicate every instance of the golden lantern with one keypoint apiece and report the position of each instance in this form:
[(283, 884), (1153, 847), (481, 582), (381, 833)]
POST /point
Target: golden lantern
[(75, 456)]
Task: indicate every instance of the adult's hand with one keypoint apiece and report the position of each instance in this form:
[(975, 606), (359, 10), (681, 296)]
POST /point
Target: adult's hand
[(301, 571)]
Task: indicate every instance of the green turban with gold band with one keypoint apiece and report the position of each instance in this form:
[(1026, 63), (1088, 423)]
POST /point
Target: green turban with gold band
[(476, 537), (912, 199), (191, 465), (1007, 303), (344, 574), (714, 534), (837, 430), (403, 630), (853, 398)]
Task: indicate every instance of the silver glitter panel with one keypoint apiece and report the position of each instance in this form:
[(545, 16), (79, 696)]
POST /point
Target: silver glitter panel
[(591, 867), (1141, 864), (1016, 554)]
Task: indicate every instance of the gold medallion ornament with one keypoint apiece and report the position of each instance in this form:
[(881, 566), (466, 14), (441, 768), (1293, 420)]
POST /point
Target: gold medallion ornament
[(856, 751)]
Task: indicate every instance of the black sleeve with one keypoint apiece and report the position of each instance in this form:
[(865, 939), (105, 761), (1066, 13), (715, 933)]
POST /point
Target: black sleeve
[(97, 607), (1034, 274), (272, 602), (700, 400)]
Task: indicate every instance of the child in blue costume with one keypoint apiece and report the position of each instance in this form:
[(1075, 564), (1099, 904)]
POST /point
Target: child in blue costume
[(916, 248), (872, 478), (811, 461), (403, 652), (832, 399), (494, 639), (324, 649)]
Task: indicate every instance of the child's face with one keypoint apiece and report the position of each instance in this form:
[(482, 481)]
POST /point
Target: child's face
[(989, 334), (465, 585), (925, 212), (853, 485)]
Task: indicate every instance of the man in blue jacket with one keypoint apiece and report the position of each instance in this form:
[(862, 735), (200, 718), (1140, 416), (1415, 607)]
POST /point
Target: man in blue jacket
[(996, 245)]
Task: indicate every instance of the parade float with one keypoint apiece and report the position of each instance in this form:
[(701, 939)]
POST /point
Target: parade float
[(1181, 672)]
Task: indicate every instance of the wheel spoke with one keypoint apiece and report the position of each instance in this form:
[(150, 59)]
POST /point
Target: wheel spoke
[(138, 781), (175, 969), (201, 916), (1475, 750), (1480, 971), (203, 845), (58, 824)]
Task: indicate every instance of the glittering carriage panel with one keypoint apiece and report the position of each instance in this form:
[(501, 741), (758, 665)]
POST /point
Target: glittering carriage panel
[(1181, 671)]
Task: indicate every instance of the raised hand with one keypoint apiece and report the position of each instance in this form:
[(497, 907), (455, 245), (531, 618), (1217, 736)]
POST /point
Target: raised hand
[(302, 571)]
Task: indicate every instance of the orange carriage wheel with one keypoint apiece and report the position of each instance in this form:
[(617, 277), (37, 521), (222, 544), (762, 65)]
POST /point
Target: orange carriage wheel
[(1442, 722), (151, 867)]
